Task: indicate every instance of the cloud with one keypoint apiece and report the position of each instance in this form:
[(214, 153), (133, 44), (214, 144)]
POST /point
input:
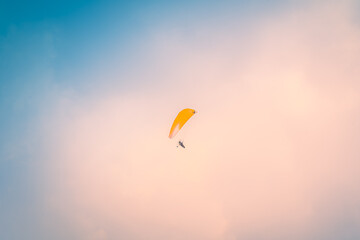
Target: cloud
[(271, 153)]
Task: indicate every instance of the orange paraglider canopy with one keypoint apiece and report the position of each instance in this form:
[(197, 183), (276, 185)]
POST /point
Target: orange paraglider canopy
[(182, 117)]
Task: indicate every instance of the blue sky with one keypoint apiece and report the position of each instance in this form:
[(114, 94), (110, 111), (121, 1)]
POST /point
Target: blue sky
[(78, 54), (49, 45)]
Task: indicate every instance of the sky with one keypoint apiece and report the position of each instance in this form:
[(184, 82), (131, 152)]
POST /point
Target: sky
[(89, 90)]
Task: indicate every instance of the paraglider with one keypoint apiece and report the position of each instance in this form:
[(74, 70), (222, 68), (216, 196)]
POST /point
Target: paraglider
[(182, 117), (181, 144)]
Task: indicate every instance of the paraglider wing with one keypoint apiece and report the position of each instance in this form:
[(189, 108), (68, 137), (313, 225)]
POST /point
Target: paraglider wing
[(182, 117)]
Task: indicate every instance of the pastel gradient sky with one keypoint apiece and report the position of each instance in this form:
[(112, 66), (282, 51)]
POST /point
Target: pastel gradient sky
[(89, 89)]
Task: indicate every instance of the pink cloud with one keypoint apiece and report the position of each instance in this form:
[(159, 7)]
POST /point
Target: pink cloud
[(270, 154)]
